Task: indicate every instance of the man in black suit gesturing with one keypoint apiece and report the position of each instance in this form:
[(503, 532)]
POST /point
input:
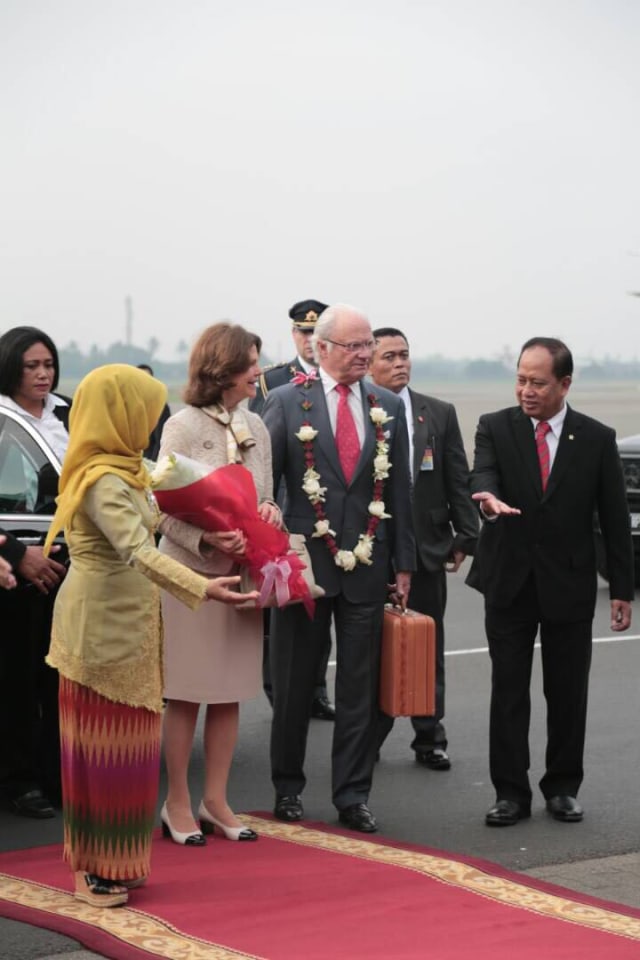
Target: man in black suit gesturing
[(445, 520), (340, 445), (541, 471)]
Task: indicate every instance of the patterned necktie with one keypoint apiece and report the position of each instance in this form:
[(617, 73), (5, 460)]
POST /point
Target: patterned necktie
[(542, 429), (347, 442)]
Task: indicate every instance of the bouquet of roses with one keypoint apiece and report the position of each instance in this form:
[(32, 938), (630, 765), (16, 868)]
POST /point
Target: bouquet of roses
[(226, 499)]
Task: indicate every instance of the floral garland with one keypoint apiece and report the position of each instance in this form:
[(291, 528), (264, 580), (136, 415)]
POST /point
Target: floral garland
[(361, 553)]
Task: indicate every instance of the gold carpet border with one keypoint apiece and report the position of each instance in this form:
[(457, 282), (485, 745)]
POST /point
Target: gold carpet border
[(133, 927), (509, 892)]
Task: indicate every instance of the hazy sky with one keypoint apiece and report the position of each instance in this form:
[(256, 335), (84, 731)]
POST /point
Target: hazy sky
[(464, 169)]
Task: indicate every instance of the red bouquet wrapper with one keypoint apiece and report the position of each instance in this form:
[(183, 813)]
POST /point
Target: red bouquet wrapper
[(226, 499)]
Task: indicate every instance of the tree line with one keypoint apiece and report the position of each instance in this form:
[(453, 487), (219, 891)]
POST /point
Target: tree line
[(74, 364)]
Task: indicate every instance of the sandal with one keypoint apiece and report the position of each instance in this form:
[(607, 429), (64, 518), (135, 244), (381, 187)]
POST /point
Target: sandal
[(99, 892), (132, 884)]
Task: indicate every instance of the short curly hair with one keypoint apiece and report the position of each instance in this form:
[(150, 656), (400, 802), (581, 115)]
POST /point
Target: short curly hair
[(13, 346), (219, 355)]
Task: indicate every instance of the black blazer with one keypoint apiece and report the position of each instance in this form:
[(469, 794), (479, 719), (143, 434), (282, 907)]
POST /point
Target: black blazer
[(273, 377), (553, 539), (444, 515), (62, 413)]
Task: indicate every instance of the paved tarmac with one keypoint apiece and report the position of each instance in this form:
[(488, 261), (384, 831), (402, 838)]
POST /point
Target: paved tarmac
[(599, 857)]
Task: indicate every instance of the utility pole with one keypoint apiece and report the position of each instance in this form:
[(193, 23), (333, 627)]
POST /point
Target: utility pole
[(128, 312)]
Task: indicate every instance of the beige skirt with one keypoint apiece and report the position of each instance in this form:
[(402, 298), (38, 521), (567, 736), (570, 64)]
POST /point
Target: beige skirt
[(212, 654)]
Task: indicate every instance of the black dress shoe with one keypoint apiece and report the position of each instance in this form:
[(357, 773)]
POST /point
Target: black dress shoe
[(33, 804), (504, 813), (323, 709), (358, 817), (436, 759), (565, 808), (289, 808)]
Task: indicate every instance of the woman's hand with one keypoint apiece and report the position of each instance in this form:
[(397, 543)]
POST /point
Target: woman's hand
[(228, 541), (271, 512), (220, 589)]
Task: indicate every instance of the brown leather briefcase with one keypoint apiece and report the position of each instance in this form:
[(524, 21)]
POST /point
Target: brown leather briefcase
[(408, 666)]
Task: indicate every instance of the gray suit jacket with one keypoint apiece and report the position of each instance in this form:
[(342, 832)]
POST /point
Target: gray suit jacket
[(445, 517), (346, 505)]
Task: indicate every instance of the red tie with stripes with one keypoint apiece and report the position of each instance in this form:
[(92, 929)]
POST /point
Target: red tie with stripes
[(542, 429), (347, 442)]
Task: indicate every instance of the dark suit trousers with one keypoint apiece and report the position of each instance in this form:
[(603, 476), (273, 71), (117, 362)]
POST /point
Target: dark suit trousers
[(297, 647), (428, 595), (566, 659), (320, 689), (29, 732)]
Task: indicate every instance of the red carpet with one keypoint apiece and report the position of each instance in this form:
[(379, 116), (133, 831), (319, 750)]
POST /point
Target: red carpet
[(312, 893)]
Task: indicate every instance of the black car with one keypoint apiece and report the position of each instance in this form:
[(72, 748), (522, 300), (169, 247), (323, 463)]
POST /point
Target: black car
[(29, 471), (629, 450)]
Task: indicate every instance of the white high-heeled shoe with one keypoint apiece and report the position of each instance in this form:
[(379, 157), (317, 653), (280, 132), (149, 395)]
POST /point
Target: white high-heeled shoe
[(209, 822), (195, 839)]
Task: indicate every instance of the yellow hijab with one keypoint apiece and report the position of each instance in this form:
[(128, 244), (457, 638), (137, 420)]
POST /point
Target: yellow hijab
[(114, 410)]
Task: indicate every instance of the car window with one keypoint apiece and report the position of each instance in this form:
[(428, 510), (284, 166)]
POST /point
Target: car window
[(28, 481)]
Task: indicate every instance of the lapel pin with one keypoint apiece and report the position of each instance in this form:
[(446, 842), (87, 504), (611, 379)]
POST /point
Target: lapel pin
[(420, 419), (570, 436)]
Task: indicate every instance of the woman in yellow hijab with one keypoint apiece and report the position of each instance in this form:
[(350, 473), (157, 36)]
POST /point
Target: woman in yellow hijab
[(107, 632)]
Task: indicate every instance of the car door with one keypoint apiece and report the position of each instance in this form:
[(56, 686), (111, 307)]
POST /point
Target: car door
[(29, 472)]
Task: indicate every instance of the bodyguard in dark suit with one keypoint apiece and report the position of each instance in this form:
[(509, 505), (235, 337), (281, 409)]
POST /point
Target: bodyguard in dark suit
[(303, 316), (346, 471), (541, 471), (445, 521)]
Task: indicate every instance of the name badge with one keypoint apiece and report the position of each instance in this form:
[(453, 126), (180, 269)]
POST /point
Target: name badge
[(427, 459)]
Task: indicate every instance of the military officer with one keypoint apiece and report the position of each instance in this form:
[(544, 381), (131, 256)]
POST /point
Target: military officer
[(303, 315)]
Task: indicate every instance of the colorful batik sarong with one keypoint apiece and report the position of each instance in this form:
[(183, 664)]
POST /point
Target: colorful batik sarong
[(110, 768)]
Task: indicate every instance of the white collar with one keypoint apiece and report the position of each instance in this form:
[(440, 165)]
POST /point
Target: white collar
[(328, 383), (556, 422)]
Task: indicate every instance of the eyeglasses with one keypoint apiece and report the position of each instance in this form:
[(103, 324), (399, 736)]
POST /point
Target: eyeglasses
[(354, 346)]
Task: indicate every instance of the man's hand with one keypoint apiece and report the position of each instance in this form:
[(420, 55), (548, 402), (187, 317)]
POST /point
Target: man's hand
[(454, 562), (492, 507), (7, 579), (620, 615), (43, 572), (399, 591)]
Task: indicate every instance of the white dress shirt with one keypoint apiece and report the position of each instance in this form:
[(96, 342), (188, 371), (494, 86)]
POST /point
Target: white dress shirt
[(408, 409), (355, 402), (48, 425), (553, 435)]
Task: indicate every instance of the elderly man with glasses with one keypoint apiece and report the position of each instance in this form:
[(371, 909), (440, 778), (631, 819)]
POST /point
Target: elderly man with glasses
[(340, 446)]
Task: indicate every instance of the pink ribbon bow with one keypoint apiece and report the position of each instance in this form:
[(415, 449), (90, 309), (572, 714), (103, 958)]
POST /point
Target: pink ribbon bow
[(301, 379), (276, 575)]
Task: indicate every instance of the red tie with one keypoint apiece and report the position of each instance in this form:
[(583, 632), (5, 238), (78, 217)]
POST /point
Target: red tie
[(347, 442), (542, 429)]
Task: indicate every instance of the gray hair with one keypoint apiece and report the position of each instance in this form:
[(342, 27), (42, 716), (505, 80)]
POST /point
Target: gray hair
[(327, 321)]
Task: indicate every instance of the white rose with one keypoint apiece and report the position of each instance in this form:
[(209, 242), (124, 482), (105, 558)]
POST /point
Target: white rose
[(363, 550), (376, 509), (379, 415), (313, 490), (322, 529), (306, 433), (381, 465), (177, 471), (345, 559)]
